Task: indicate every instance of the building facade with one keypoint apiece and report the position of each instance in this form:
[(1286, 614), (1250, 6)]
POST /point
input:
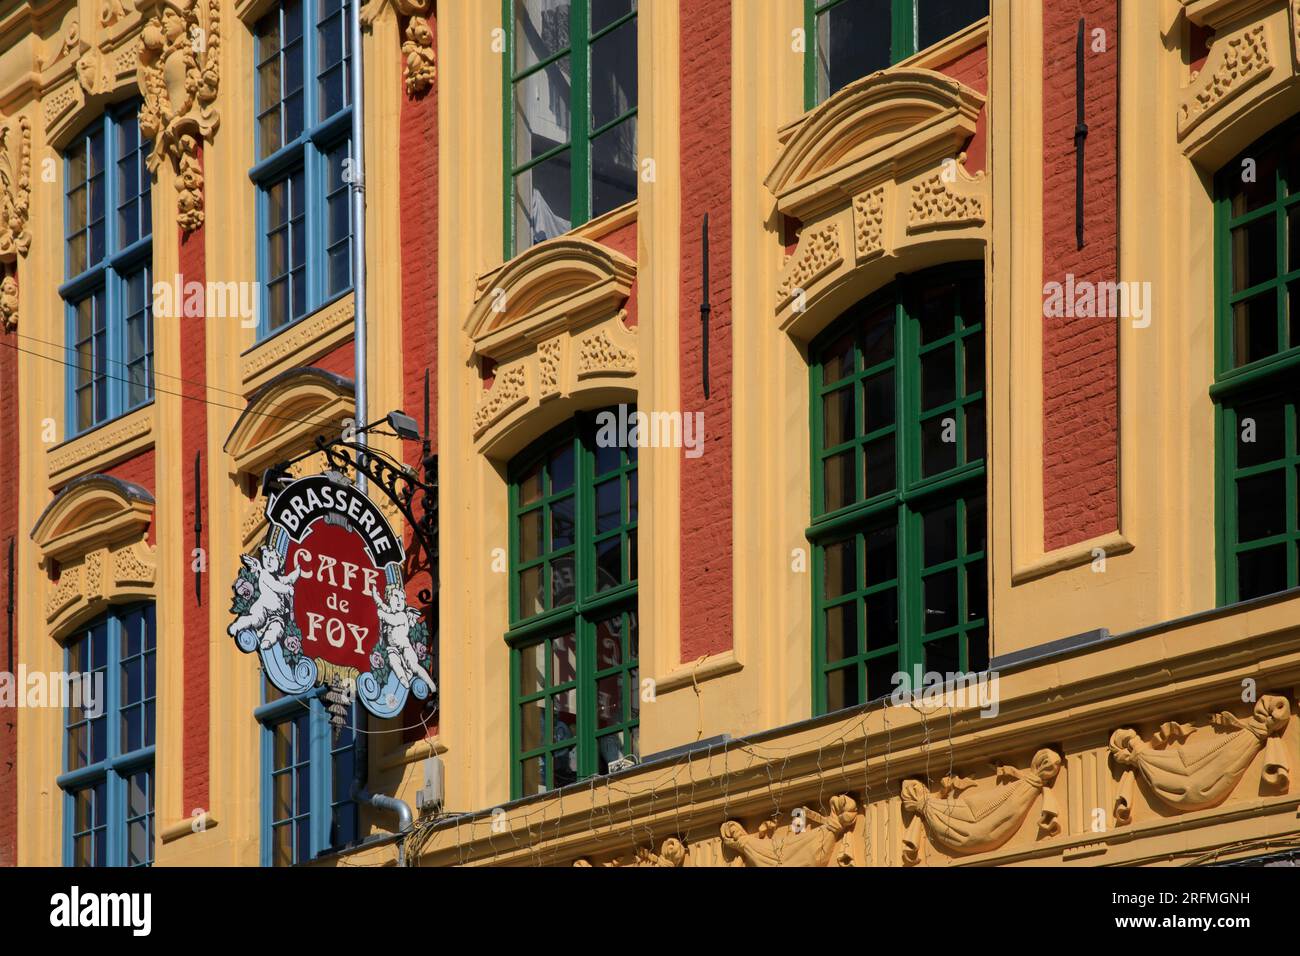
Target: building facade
[(951, 342)]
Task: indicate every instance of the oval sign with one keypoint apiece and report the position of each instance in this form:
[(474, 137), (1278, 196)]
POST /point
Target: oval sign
[(323, 601)]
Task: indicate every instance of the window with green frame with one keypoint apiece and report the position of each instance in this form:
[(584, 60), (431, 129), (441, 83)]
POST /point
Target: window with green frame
[(899, 530), (1257, 400), (570, 102), (574, 689), (848, 39)]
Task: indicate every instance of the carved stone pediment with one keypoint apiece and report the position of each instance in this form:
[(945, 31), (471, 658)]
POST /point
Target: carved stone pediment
[(876, 179), (811, 840), (93, 533), (15, 204), (286, 414), (551, 325), (884, 126), (1250, 81)]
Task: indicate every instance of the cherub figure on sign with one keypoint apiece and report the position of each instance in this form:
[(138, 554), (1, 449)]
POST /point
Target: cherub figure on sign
[(272, 608), (395, 623)]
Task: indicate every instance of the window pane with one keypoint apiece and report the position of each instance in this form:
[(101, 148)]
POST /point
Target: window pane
[(605, 12), (542, 202), (1255, 328), (613, 167), (842, 688), (938, 19), (1261, 506), (613, 74), (1254, 253), (331, 58), (542, 120), (541, 30), (1262, 571), (840, 568), (852, 41), (338, 225), (841, 632)]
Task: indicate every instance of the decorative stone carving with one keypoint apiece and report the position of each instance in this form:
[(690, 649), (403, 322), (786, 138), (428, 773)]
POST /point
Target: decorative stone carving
[(65, 593), (303, 342), (418, 47), (96, 443), (550, 356), (90, 71), (110, 11), (817, 841), (510, 388), (95, 561), (1187, 768), (178, 75), (597, 354), (670, 856), (131, 567), (937, 201), (869, 223), (9, 302), (818, 252), (1235, 63), (967, 818), (15, 204)]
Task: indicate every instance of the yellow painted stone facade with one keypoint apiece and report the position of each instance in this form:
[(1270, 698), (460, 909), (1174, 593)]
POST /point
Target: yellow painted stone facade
[(1172, 739)]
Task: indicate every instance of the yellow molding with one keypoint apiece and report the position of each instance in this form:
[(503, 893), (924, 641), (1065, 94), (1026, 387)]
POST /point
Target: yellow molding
[(199, 823), (102, 447), (413, 752), (706, 668), (286, 415)]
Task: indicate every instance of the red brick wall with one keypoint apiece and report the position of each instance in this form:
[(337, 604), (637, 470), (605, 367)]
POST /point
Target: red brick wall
[(706, 514), (9, 418), (1080, 359), (194, 434), (972, 68), (418, 163)]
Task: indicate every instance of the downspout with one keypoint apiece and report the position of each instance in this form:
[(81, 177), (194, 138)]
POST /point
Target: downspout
[(405, 819), (358, 184)]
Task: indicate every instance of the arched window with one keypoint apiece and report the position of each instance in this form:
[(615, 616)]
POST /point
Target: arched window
[(110, 724), (1257, 253), (575, 702), (898, 444)]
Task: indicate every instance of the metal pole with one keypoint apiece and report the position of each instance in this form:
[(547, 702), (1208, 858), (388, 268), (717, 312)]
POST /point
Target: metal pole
[(358, 228)]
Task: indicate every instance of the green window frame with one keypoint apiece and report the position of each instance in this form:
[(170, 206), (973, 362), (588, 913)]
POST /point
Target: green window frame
[(597, 97), (574, 673), (1257, 355), (899, 530), (912, 25)]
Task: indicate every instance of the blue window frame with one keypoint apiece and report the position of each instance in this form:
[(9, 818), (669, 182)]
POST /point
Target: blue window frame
[(304, 120), (307, 773), (108, 249), (108, 758)]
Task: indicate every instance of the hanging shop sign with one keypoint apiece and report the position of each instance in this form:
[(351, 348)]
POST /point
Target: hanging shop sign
[(323, 601)]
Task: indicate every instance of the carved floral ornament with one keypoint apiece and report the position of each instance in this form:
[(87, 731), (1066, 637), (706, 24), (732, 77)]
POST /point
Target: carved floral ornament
[(419, 44), (872, 174), (179, 71), (551, 325)]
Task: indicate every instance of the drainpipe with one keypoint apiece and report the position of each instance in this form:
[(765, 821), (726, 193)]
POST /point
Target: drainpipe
[(358, 229), (405, 819)]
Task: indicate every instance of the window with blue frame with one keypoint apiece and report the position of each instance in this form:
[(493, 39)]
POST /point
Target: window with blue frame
[(108, 259), (303, 141), (108, 778), (307, 774)]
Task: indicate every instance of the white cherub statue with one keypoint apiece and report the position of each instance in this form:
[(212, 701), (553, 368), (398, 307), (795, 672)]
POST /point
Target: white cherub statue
[(269, 614), (395, 622)]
